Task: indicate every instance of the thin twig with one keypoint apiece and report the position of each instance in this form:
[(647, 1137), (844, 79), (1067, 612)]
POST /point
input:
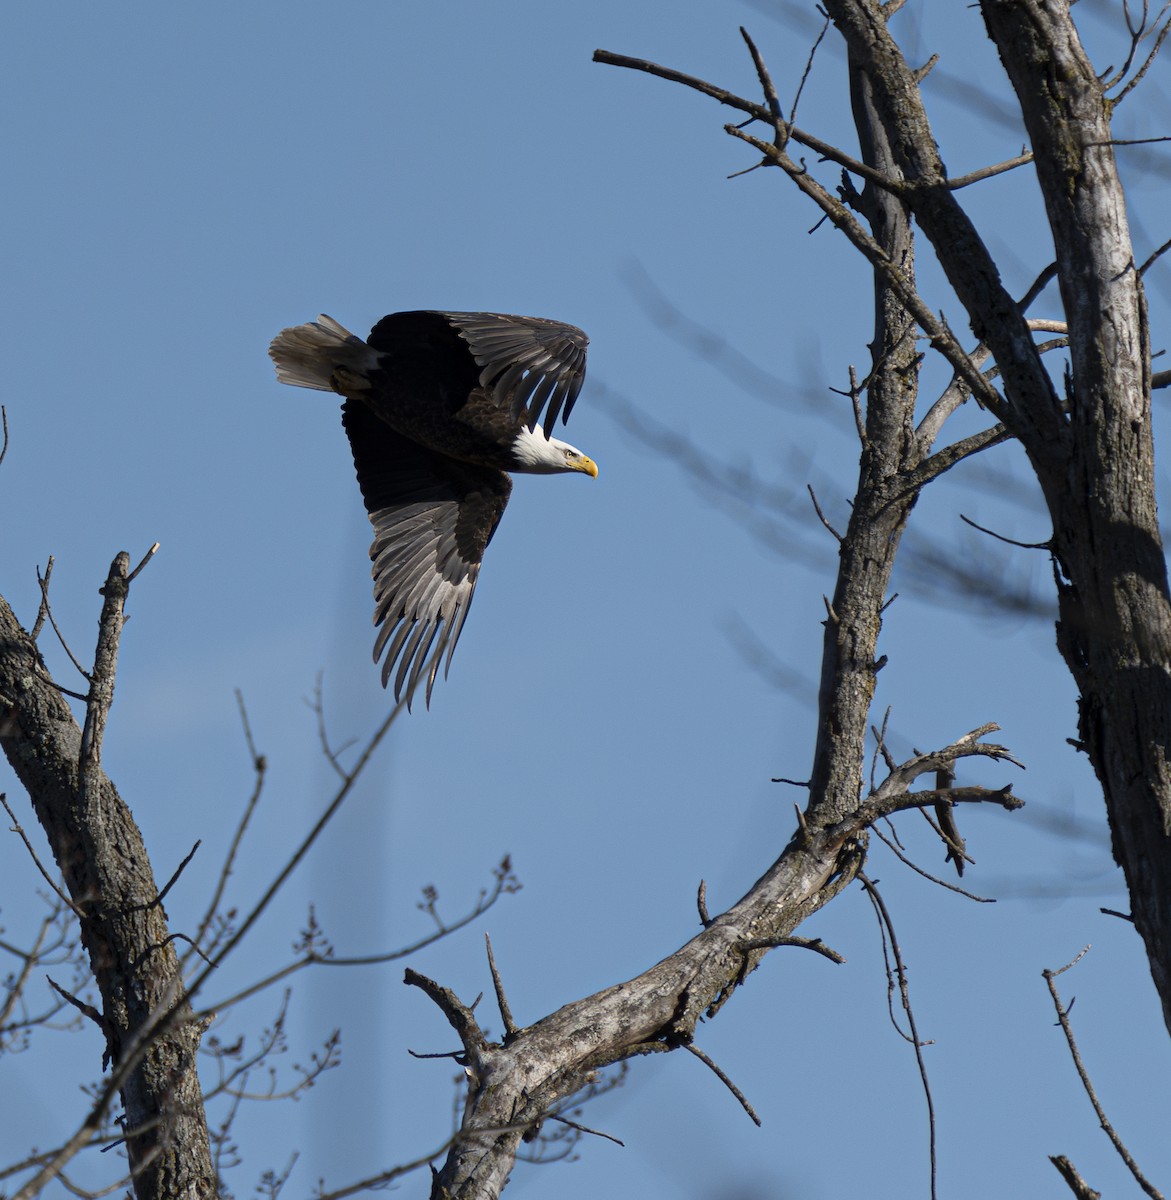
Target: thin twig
[(955, 394), (1155, 256), (461, 1017), (756, 111), (1063, 1019), (260, 765), (1043, 280), (943, 460), (951, 887), (386, 1177), (183, 937), (874, 808), (43, 608), (178, 871), (692, 1048), (769, 88), (145, 559), (856, 405), (1110, 78), (14, 985), (701, 903), (86, 1010), (505, 882), (814, 944), (47, 610), (969, 745), (808, 68), (303, 849), (820, 515), (1136, 79), (258, 760), (510, 1026), (586, 1129), (888, 930), (1048, 545), (880, 747), (934, 326), (18, 829), (963, 181), (331, 755)]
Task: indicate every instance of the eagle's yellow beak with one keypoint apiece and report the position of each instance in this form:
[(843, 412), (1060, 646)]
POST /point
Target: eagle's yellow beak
[(587, 465)]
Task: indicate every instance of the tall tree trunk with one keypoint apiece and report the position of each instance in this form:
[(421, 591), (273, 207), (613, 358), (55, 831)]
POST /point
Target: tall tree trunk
[(1115, 630), (1093, 449)]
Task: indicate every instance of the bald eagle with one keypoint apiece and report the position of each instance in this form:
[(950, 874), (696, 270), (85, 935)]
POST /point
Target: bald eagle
[(439, 407)]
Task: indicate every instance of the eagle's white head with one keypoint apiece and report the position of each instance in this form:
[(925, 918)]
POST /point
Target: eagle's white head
[(535, 454)]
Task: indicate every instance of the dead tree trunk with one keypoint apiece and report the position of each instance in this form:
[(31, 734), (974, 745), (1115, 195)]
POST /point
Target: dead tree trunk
[(1092, 449), (151, 1043)]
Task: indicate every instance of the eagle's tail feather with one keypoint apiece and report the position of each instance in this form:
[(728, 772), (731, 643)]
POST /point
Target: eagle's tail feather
[(322, 355)]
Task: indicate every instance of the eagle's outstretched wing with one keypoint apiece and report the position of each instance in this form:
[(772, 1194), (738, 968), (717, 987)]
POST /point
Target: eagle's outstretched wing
[(529, 365), (433, 517)]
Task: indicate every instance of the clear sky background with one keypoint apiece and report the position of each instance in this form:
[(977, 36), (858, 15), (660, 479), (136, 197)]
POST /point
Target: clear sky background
[(182, 182)]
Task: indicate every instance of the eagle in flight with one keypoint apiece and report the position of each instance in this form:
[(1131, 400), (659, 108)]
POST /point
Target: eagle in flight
[(439, 408)]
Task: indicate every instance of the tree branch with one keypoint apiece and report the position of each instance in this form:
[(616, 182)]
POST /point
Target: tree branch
[(1062, 1011), (99, 850)]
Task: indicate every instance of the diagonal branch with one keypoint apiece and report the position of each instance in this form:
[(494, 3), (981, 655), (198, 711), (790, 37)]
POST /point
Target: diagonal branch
[(1062, 1011), (1034, 410), (758, 112), (902, 776), (935, 327)]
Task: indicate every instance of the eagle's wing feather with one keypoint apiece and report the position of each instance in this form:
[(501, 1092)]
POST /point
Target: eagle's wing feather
[(533, 367), (433, 518)]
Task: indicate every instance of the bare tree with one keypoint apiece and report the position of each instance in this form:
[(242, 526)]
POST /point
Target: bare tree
[(1089, 442), (1087, 435)]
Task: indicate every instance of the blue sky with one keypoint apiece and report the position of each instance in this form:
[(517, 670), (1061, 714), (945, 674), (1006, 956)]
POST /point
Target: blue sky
[(183, 182)]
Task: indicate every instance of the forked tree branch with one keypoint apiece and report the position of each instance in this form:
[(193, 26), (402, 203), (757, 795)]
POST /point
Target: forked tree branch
[(514, 1084)]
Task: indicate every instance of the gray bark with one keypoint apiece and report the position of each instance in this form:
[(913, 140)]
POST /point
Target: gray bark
[(1115, 611), (99, 850), (1092, 450)]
